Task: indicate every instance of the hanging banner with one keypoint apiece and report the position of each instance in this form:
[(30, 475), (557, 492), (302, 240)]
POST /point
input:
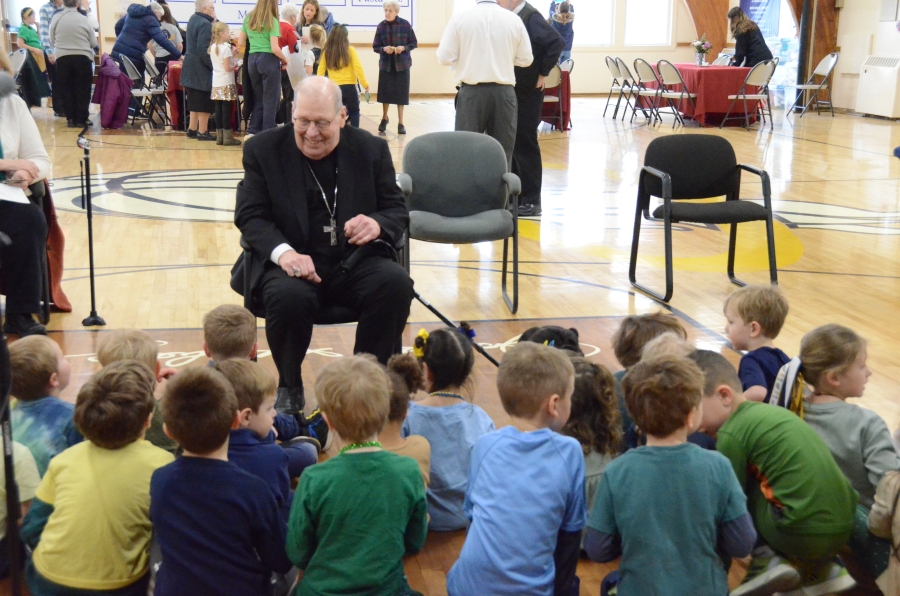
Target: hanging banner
[(358, 15), (765, 13)]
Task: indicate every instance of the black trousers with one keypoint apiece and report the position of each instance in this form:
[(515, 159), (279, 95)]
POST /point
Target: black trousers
[(527, 164), (379, 288), (350, 97), (223, 114), (73, 75), (20, 263), (54, 88)]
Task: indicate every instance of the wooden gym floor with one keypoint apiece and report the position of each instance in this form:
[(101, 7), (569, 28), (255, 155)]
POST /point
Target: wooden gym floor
[(164, 246)]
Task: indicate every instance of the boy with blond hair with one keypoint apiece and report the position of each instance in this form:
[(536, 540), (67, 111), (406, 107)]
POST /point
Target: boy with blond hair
[(252, 446), (801, 503), (356, 515), (40, 419), (533, 547), (135, 344), (755, 316), (217, 526), (229, 333), (701, 515), (89, 523)]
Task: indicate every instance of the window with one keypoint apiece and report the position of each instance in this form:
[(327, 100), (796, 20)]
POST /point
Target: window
[(648, 22), (594, 23)]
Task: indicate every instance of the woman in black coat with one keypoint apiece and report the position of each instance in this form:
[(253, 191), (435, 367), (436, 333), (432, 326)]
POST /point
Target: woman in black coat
[(749, 46), (196, 73)]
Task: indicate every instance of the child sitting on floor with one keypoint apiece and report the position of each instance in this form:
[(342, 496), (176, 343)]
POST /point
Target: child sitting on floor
[(884, 522), (594, 421), (40, 420), (405, 374), (628, 342), (229, 332), (356, 515), (755, 316), (526, 486), (27, 481), (89, 523), (801, 503), (449, 422), (217, 526), (701, 514), (252, 446), (134, 344)]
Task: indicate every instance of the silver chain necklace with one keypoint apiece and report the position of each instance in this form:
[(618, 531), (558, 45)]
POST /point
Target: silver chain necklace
[(332, 211)]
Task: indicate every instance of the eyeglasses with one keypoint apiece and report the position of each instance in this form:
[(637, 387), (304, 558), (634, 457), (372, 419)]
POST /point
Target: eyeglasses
[(304, 124)]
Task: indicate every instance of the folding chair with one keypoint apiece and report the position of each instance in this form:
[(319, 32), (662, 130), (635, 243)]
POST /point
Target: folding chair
[(628, 80), (616, 87), (759, 77), (553, 81), (671, 77), (567, 65), (146, 96), (824, 70), (158, 81), (646, 74), (723, 60)]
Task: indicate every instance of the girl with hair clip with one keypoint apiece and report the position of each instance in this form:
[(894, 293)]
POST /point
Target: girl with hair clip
[(449, 420), (407, 378), (594, 421), (224, 88), (341, 64), (832, 362)]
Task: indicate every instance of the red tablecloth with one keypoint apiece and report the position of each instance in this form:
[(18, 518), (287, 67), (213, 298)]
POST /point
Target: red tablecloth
[(713, 85), (175, 93), (564, 92)]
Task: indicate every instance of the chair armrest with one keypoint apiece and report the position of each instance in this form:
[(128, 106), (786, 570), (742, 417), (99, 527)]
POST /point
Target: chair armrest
[(763, 176), (512, 183), (664, 178), (404, 181)]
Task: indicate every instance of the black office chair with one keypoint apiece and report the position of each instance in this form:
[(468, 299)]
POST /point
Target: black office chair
[(682, 168)]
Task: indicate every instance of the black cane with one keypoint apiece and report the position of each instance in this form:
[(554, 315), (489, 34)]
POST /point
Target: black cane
[(93, 318), (12, 490), (450, 324)]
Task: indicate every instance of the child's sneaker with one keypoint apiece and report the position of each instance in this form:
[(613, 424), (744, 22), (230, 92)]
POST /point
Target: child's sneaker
[(318, 429), (767, 575), (828, 578)]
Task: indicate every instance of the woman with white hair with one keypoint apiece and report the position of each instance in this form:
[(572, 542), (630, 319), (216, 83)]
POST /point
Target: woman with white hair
[(23, 161), (197, 71), (73, 41), (394, 40)]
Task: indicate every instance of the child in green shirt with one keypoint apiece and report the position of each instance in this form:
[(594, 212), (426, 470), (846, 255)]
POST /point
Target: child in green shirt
[(801, 503), (355, 516)]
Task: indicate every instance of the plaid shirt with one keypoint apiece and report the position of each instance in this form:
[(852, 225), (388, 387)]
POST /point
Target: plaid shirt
[(394, 33), (47, 12)]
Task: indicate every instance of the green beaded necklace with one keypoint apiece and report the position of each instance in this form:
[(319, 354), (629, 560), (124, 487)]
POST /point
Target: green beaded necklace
[(448, 394), (363, 445)]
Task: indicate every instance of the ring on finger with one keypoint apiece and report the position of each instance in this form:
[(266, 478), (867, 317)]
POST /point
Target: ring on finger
[(296, 271)]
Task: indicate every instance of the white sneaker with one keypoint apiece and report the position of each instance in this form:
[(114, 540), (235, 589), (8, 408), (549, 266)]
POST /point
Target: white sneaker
[(830, 578), (767, 575)]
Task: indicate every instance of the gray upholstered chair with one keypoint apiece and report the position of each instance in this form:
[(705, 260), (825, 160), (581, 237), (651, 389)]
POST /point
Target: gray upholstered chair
[(459, 192)]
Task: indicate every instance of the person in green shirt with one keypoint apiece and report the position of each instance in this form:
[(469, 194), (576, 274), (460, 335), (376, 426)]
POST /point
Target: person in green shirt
[(28, 38), (356, 516), (264, 63), (801, 503)]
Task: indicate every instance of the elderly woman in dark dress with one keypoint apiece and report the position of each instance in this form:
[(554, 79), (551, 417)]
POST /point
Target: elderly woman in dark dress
[(196, 74), (749, 45), (394, 40)]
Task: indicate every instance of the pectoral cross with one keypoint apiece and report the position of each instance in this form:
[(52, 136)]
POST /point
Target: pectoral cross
[(331, 229)]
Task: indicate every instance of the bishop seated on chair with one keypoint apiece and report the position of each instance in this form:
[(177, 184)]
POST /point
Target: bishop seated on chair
[(312, 196)]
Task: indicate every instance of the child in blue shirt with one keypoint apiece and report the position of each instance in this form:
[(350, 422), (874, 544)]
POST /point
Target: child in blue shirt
[(526, 486), (40, 420), (672, 536), (755, 316), (218, 527), (252, 446), (451, 423)]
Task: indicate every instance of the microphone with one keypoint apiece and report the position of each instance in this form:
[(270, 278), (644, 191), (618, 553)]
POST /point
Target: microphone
[(7, 84)]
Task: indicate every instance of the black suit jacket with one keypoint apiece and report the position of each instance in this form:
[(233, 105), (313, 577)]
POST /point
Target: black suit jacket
[(546, 45), (271, 199)]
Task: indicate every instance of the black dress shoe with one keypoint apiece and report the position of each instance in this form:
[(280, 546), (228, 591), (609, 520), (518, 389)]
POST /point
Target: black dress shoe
[(383, 126), (529, 210), (88, 122), (191, 134), (22, 325), (205, 136), (401, 130), (289, 400), (70, 123), (59, 114)]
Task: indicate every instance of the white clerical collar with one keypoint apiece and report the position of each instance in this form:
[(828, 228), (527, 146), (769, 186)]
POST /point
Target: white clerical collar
[(519, 8)]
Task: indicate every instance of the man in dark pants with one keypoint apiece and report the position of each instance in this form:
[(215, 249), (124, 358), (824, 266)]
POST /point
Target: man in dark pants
[(312, 194), (546, 46)]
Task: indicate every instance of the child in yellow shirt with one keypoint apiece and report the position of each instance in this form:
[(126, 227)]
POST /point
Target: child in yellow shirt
[(341, 64)]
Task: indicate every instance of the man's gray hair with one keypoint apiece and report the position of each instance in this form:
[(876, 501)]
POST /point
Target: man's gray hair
[(70, 3), (289, 10), (157, 9), (392, 4), (200, 4), (319, 85)]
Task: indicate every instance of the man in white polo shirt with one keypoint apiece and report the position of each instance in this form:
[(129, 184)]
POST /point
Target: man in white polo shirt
[(483, 45)]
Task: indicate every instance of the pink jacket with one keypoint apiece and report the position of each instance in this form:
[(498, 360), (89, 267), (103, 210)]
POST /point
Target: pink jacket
[(113, 93)]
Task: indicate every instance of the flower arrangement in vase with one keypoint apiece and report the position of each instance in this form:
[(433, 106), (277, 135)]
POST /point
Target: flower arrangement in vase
[(701, 49)]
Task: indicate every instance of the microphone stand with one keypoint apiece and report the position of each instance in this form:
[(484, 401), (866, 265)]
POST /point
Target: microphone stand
[(93, 318), (13, 511)]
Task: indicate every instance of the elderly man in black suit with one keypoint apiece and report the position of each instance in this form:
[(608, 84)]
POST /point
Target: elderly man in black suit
[(312, 195)]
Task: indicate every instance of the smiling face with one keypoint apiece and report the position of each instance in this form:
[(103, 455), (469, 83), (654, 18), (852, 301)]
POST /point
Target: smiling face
[(390, 13), (312, 109)]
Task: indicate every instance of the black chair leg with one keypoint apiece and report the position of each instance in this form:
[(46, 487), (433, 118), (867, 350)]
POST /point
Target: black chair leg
[(632, 264), (45, 290), (512, 305), (770, 240), (732, 244)]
